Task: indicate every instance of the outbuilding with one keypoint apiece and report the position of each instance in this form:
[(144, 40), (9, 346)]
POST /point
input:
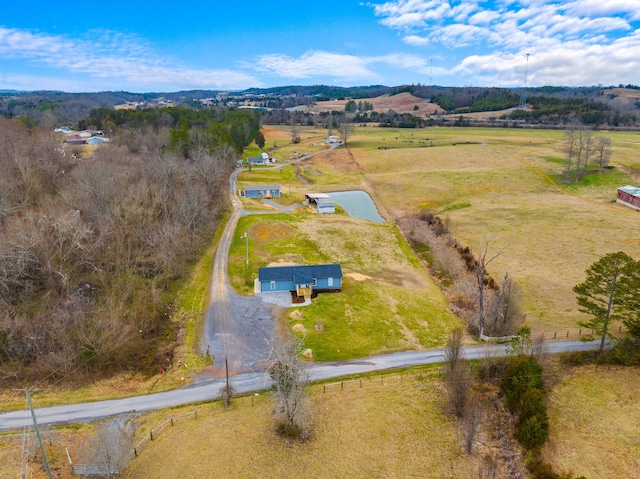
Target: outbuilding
[(301, 281), (257, 160), (629, 196), (262, 191), (321, 202)]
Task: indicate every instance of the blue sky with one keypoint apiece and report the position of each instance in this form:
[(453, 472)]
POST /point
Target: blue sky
[(221, 45)]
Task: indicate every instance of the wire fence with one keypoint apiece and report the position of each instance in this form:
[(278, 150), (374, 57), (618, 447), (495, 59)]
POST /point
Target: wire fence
[(153, 433), (579, 333), (560, 335)]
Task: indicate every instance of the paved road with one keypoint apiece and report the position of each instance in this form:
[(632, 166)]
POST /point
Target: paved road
[(255, 382)]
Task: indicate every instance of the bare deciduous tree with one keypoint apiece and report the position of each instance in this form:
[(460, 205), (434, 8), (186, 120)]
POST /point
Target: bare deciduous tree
[(109, 448), (506, 308), (458, 376), (289, 382), (480, 271), (602, 147), (471, 423)]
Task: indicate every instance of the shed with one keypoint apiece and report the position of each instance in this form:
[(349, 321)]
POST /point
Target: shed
[(257, 160), (262, 191), (629, 196), (95, 140), (75, 140), (305, 281), (320, 201)]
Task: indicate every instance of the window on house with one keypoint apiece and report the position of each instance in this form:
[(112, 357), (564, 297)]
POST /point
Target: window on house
[(273, 285), (330, 281)]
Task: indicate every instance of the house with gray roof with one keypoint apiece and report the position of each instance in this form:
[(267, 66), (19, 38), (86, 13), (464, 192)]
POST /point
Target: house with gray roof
[(304, 281), (262, 191)]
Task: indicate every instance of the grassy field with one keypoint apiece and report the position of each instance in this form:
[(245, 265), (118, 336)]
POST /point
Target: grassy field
[(502, 185), (388, 302), (595, 418), (395, 430)]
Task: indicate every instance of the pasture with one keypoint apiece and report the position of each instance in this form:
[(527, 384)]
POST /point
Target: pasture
[(388, 301), (504, 186), (594, 415)]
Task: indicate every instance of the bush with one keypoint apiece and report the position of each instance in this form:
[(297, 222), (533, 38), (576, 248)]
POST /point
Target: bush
[(531, 404), (534, 431), (524, 373)]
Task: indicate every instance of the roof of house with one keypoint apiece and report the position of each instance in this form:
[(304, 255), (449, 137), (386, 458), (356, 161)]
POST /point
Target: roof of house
[(261, 187), (256, 159), (632, 190), (317, 196), (299, 274)]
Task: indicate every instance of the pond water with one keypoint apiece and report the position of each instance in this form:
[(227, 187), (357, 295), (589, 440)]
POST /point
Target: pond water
[(357, 204)]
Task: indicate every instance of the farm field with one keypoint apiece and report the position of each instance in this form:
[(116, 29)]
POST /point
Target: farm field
[(388, 301), (594, 416), (384, 436), (505, 186)]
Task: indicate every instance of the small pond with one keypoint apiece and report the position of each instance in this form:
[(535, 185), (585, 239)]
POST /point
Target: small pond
[(357, 204)]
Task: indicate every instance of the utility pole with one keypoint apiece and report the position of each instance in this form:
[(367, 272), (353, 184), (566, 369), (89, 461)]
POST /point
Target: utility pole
[(523, 94), (35, 425), (246, 235)]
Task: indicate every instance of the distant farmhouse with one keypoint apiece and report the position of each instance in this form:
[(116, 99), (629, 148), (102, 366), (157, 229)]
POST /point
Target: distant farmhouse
[(302, 281), (262, 191), (320, 201), (629, 196)]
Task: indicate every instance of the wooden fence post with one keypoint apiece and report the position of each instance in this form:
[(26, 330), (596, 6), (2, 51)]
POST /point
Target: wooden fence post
[(151, 434)]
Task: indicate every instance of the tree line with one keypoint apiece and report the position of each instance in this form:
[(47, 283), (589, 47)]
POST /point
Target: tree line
[(90, 250)]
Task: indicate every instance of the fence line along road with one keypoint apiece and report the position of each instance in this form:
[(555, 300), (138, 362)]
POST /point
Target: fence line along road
[(254, 382)]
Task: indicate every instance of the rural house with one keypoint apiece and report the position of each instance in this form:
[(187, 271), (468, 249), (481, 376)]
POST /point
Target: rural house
[(262, 191), (320, 201), (301, 281), (629, 196), (257, 160)]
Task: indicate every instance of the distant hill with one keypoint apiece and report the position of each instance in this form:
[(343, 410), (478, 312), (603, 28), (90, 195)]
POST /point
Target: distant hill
[(549, 105)]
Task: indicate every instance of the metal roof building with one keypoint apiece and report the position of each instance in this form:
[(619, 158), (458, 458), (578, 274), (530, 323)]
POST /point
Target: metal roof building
[(629, 196)]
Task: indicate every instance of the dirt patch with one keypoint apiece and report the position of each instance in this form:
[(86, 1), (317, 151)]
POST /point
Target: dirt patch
[(271, 134), (270, 231), (299, 328), (357, 276), (340, 160)]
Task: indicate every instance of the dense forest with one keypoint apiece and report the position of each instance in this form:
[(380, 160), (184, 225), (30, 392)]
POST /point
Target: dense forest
[(90, 250)]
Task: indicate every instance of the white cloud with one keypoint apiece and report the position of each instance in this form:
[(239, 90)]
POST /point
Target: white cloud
[(415, 40), (335, 65), (315, 63), (573, 42), (122, 59)]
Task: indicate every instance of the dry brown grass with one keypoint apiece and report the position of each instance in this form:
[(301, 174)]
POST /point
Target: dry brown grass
[(396, 430), (506, 184), (595, 423), (400, 103)]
